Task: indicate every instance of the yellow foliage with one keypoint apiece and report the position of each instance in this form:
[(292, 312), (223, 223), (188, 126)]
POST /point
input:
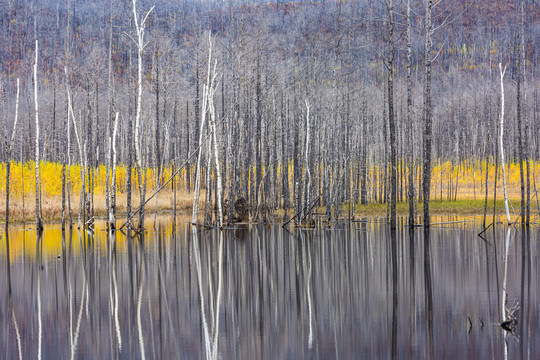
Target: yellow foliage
[(22, 178)]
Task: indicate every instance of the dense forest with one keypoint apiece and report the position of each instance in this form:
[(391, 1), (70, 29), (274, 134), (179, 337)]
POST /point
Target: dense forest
[(284, 105)]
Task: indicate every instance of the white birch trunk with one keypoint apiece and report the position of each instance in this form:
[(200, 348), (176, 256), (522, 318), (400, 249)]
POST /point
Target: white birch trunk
[(203, 121), (81, 157), (196, 195), (502, 72), (112, 193), (216, 152), (306, 159), (15, 122), (140, 28)]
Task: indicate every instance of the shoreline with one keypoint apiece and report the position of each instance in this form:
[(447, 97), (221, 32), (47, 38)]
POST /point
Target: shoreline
[(52, 213)]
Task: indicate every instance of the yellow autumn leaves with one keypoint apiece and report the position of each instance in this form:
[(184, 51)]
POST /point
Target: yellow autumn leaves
[(22, 178)]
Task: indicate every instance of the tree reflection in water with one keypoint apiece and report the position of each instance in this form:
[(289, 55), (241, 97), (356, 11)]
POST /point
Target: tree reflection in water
[(353, 291)]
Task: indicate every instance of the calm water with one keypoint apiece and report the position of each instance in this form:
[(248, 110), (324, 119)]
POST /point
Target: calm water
[(260, 292)]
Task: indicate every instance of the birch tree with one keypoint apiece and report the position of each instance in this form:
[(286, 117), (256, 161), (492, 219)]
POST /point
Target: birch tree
[(203, 121), (140, 27), (501, 145), (112, 192), (217, 145), (79, 146)]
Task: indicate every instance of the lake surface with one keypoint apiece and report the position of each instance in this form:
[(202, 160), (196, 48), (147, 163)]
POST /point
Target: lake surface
[(355, 291)]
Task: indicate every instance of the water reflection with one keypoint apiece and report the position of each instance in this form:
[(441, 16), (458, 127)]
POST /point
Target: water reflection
[(10, 301), (428, 294), (355, 291)]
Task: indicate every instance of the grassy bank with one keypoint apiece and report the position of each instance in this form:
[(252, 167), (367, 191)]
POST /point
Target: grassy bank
[(442, 207)]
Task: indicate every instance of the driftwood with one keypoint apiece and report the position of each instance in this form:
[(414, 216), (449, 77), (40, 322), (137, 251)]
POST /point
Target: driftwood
[(485, 229), (311, 205), (510, 322)]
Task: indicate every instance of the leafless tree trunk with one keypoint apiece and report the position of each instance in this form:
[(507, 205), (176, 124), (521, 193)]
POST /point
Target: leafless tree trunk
[(307, 184), (140, 27), (112, 201), (81, 155), (426, 183), (199, 158), (210, 93), (501, 132), (10, 148), (412, 213), (521, 154), (391, 116), (526, 135), (68, 151), (108, 195), (39, 222)]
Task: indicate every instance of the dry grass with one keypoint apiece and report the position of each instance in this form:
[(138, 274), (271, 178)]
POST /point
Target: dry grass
[(52, 206)]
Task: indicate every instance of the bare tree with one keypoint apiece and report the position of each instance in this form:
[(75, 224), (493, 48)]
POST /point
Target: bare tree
[(140, 27), (501, 145), (39, 222), (203, 121), (10, 148), (112, 193), (391, 115), (210, 93), (412, 212), (426, 183)]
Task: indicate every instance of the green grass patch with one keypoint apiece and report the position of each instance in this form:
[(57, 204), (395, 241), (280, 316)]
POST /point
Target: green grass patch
[(458, 207)]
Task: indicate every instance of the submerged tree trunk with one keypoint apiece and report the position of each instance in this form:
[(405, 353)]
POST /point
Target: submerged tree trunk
[(112, 201), (211, 91), (140, 27), (521, 156), (39, 222), (501, 132), (391, 117), (486, 189), (199, 157), (307, 184), (79, 146), (412, 214), (526, 134), (426, 183)]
